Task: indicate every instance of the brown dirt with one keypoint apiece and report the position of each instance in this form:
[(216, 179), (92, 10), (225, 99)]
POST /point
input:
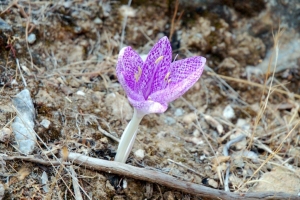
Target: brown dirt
[(70, 72)]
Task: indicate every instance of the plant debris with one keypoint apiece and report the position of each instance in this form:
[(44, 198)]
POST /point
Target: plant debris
[(64, 53)]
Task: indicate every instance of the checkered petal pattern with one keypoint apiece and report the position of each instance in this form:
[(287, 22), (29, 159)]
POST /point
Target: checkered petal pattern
[(152, 84)]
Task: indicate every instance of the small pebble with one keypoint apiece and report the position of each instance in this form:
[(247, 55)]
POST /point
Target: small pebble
[(196, 133), (228, 112), (104, 140), (125, 183), (80, 93), (251, 155), (31, 38), (14, 82), (139, 154), (213, 183), (189, 118), (45, 182), (178, 112), (97, 20), (45, 123), (242, 123), (150, 32), (127, 11), (77, 30), (67, 4), (170, 120), (202, 157), (5, 134)]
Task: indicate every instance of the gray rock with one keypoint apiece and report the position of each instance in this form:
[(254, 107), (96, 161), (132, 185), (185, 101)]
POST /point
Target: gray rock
[(24, 122)]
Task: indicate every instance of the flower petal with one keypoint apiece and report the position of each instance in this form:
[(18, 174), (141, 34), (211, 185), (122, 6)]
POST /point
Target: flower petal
[(155, 67), (128, 69), (147, 107), (183, 74)]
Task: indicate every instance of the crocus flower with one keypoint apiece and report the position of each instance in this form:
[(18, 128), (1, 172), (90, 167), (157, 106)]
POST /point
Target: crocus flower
[(152, 84)]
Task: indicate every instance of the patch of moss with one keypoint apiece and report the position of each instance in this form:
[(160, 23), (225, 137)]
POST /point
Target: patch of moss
[(43, 110), (51, 134)]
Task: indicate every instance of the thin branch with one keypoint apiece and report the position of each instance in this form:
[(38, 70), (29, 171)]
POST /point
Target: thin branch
[(170, 181), (32, 159)]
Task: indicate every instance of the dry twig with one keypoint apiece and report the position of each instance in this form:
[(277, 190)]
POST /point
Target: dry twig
[(33, 159), (169, 181)]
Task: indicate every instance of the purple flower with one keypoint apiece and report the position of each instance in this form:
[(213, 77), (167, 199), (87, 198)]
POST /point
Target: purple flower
[(152, 84)]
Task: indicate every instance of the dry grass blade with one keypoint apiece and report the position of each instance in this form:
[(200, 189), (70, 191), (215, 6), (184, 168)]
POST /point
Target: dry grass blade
[(75, 184), (186, 167), (264, 104), (173, 23), (123, 27), (270, 156), (254, 84)]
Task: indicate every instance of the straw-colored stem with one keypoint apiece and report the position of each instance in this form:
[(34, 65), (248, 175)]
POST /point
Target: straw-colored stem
[(128, 137)]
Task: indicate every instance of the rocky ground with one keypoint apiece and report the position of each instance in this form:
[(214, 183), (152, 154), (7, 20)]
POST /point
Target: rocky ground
[(67, 53)]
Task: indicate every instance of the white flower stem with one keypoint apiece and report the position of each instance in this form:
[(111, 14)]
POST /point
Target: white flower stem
[(128, 137)]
